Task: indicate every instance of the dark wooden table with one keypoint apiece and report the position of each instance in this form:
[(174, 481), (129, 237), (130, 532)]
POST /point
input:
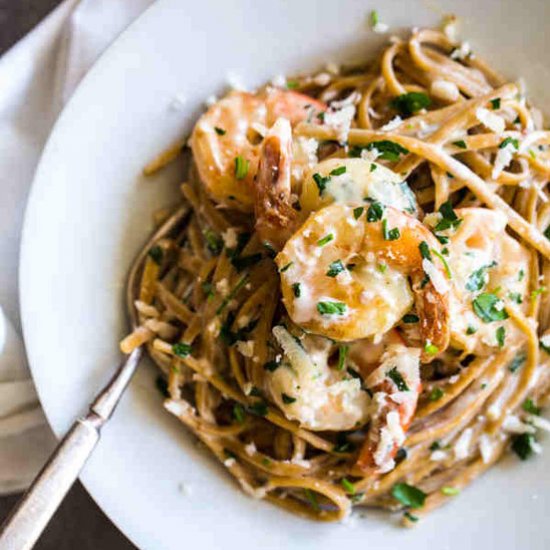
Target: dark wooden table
[(79, 524)]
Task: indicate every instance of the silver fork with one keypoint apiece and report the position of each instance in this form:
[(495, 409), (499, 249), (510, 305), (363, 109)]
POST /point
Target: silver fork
[(31, 515)]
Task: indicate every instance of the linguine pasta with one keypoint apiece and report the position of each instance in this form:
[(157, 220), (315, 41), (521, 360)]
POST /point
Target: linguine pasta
[(234, 309)]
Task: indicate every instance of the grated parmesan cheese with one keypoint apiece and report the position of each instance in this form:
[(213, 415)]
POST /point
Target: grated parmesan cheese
[(491, 120), (230, 237), (503, 159), (443, 89), (229, 462), (438, 456), (539, 422), (512, 424), (438, 280), (392, 124), (250, 449), (462, 445), (462, 52), (340, 121)]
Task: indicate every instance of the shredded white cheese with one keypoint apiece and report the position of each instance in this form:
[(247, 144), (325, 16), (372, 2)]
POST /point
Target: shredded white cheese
[(392, 124), (437, 279), (539, 422), (230, 237), (279, 81), (340, 121), (322, 79), (503, 158), (250, 449), (462, 52), (491, 120), (443, 89), (229, 462), (438, 456), (462, 445), (513, 424)]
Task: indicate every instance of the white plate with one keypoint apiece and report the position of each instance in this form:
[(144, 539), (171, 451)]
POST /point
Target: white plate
[(89, 212)]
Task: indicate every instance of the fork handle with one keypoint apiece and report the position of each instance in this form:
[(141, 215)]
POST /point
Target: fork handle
[(29, 518)]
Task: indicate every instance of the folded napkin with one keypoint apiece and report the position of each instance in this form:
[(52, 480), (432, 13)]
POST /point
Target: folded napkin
[(37, 77)]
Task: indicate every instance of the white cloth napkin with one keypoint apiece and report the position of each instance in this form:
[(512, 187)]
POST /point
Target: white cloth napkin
[(37, 77)]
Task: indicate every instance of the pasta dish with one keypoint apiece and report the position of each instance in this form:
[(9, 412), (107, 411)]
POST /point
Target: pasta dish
[(354, 312)]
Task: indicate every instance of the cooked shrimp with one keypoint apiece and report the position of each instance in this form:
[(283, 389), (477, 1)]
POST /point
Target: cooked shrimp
[(344, 275), (485, 261), (350, 181), (225, 140), (395, 387), (311, 392), (276, 219)]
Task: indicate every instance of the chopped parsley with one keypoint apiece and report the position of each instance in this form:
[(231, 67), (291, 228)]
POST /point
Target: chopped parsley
[(335, 267), (208, 289), (374, 18), (375, 211), (331, 308), (343, 351), (460, 143), (338, 171), (471, 330), (500, 335), (285, 267), (449, 218), (425, 250), (530, 407), (219, 131), (436, 394), (296, 289), (357, 212), (408, 495), (395, 376), (241, 167), (287, 399), (230, 337), (478, 278), (181, 349), (411, 318), (509, 141), (388, 150), (522, 445), (312, 499), (238, 413), (242, 281), (373, 167), (515, 297), (517, 362), (450, 491), (156, 253), (411, 517), (537, 292), (321, 182), (259, 408), (487, 307), (521, 275), (292, 84), (430, 349), (495, 103), (214, 242), (410, 103), (325, 240), (444, 262), (389, 234), (382, 268), (348, 486)]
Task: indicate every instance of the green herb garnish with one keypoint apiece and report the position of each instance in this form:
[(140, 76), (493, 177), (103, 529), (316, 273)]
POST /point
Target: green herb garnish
[(522, 445), (389, 234), (296, 289), (375, 211), (436, 394), (408, 495), (486, 307), (335, 267), (181, 349), (500, 335), (287, 399), (410, 103), (325, 240), (156, 253), (397, 379), (410, 318), (331, 308), (343, 351), (241, 167)]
